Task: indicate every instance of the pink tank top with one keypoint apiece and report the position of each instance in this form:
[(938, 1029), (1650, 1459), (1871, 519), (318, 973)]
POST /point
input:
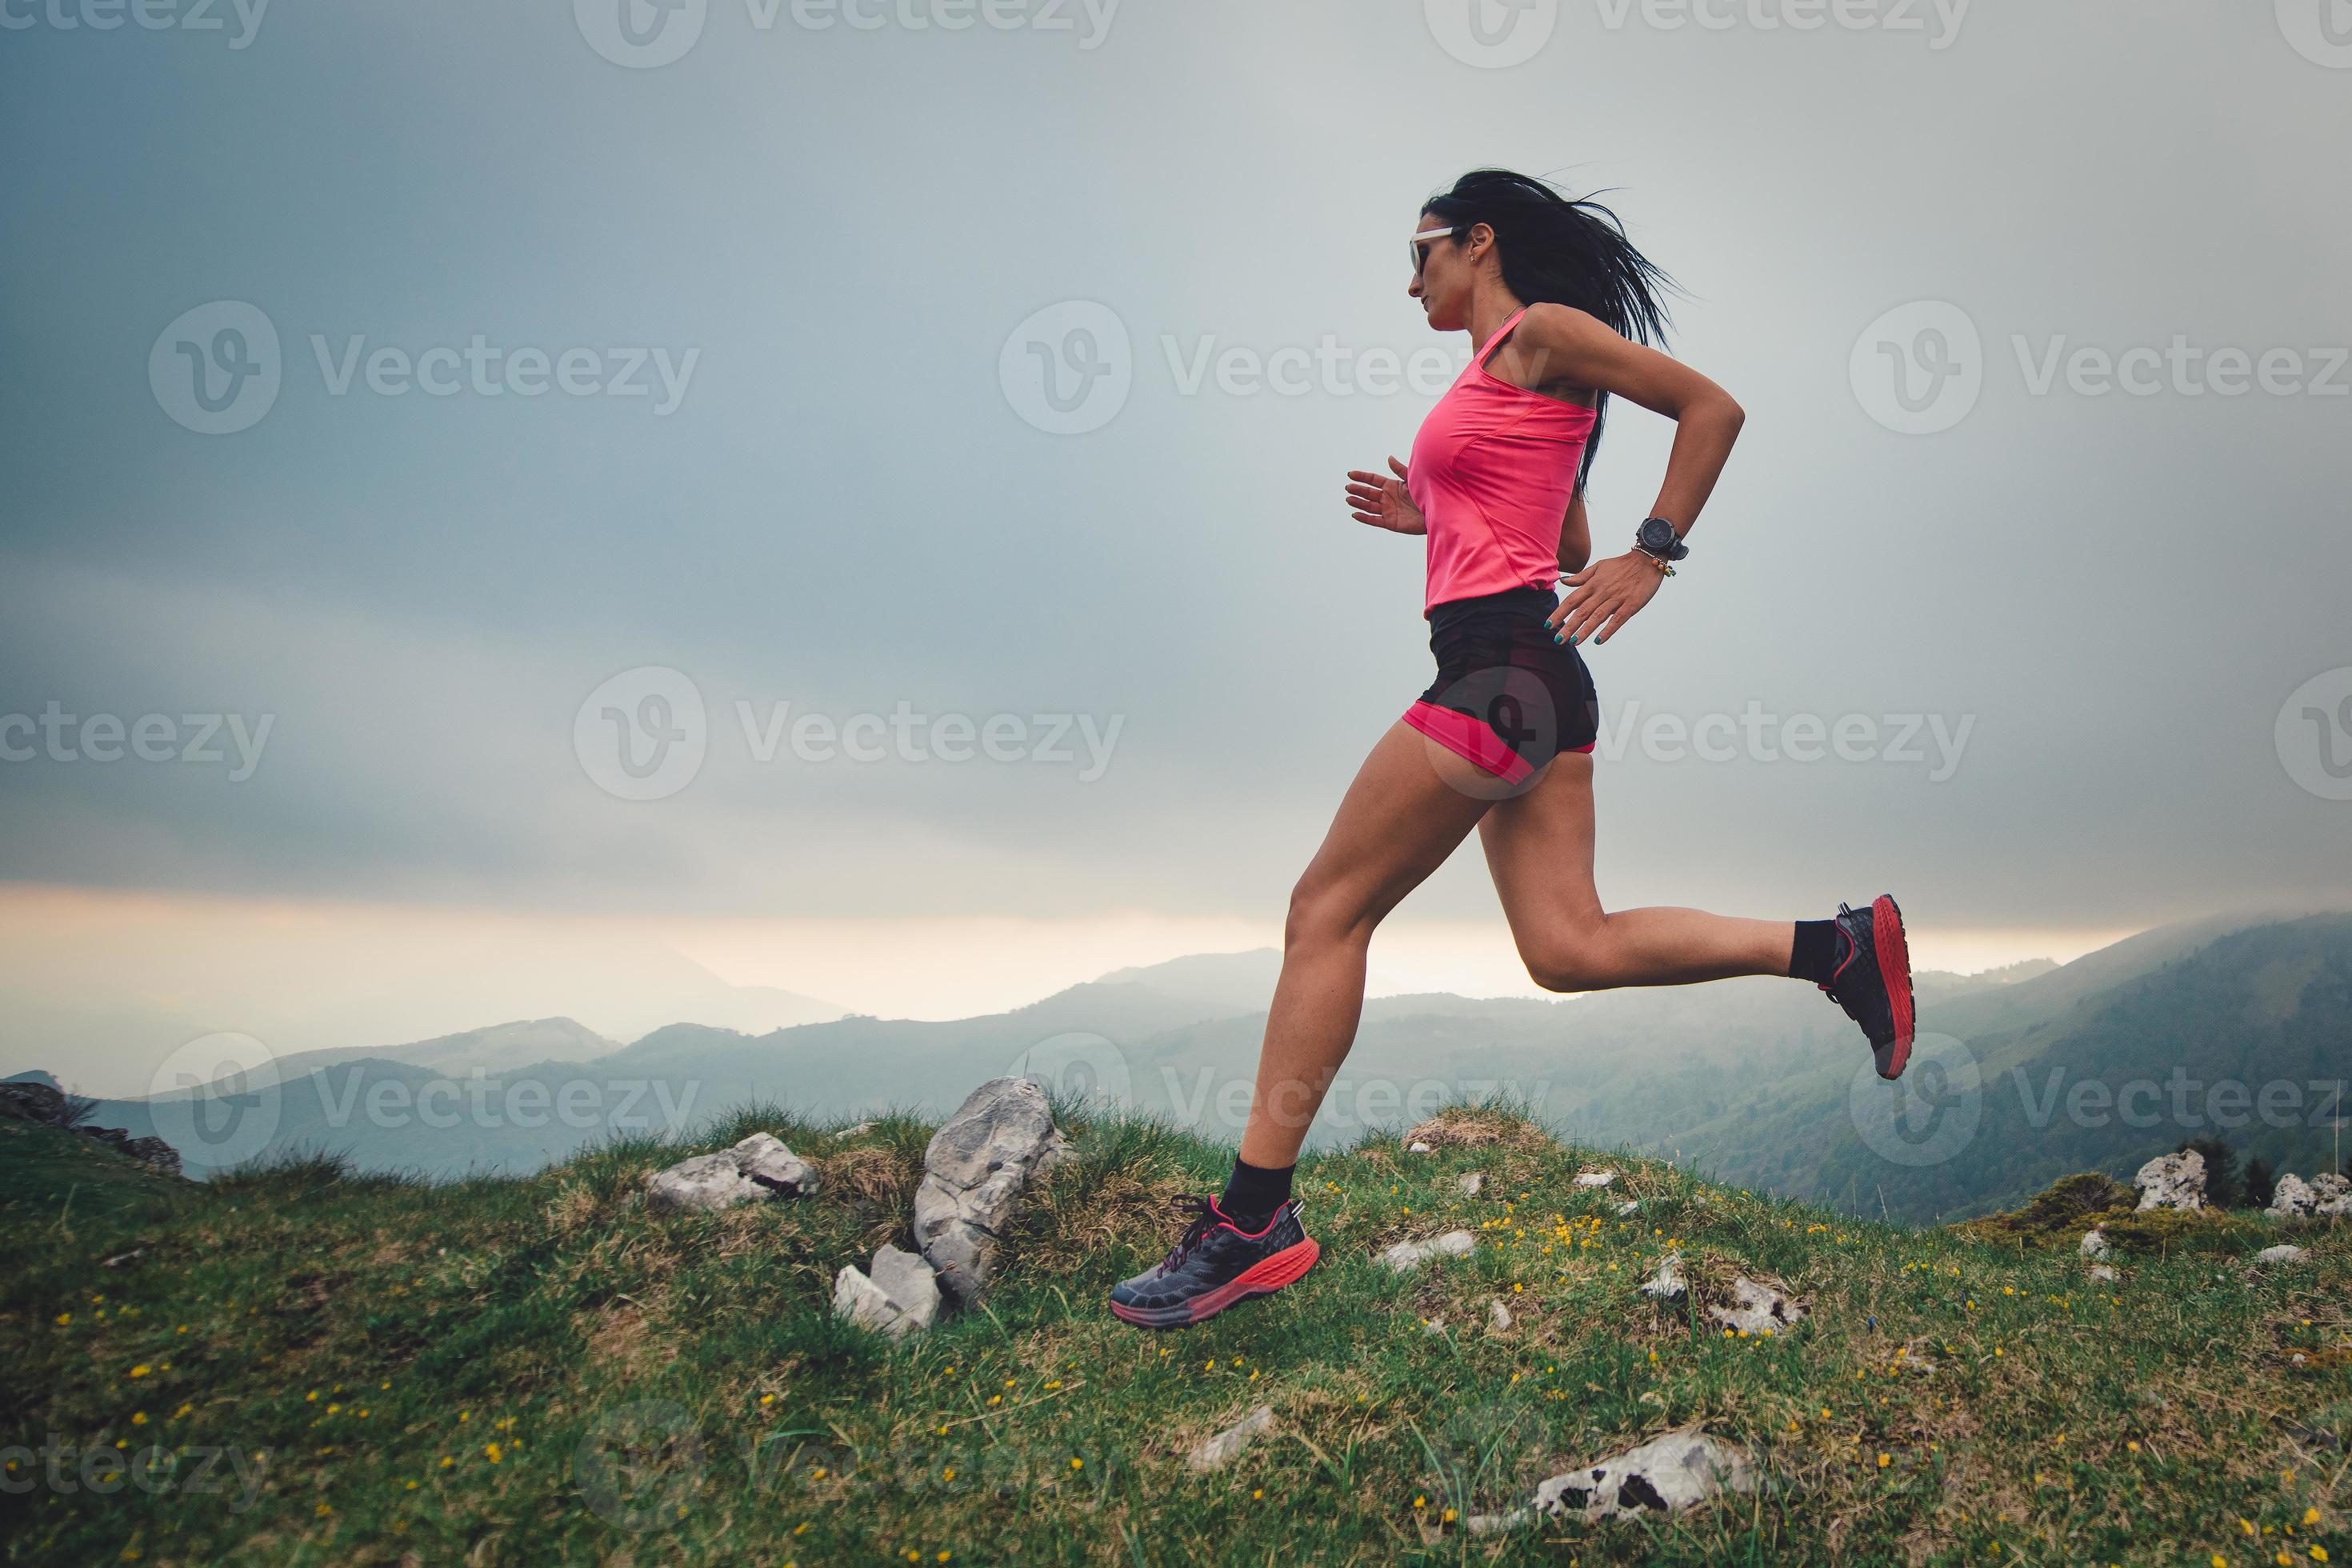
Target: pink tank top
[(1493, 470)]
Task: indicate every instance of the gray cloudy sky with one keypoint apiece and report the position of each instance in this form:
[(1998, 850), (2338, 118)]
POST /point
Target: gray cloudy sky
[(799, 453)]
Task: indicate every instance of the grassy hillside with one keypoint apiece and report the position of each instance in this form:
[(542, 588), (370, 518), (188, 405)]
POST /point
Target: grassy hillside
[(538, 1369)]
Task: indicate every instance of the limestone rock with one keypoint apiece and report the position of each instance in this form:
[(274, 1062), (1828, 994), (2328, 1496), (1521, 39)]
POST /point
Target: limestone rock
[(2325, 1194), (763, 1158), (1000, 1140), (1498, 1317), (2094, 1243), (1665, 1475), (1596, 1178), (1667, 1283), (759, 1167), (1220, 1450), (1407, 1255), (1758, 1309), (2172, 1181), (900, 1297), (1473, 1183), (2105, 1273), (2282, 1254)]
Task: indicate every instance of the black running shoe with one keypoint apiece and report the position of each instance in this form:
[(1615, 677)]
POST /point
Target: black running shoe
[(1873, 982), (1216, 1265)]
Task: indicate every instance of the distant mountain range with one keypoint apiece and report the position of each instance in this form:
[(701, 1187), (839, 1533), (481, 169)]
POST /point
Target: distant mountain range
[(2023, 1075)]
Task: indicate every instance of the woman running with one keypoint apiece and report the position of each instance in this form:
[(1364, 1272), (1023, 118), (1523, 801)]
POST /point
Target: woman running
[(1560, 310)]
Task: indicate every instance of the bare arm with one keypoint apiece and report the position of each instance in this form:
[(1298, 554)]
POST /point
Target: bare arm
[(1569, 348), (1564, 350)]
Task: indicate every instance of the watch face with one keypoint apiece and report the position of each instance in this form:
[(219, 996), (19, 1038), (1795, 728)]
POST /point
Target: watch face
[(1658, 533)]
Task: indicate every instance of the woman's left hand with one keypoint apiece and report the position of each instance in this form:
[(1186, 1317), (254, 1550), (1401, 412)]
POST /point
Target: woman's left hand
[(1603, 598)]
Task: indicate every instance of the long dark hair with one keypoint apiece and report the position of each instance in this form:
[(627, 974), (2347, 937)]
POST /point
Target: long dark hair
[(1562, 251)]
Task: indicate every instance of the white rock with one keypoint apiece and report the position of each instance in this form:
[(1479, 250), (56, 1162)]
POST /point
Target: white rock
[(763, 1158), (974, 1172), (1498, 1317), (2291, 1196), (2172, 1181), (1407, 1255), (1758, 1309), (1666, 1475), (758, 1167), (859, 1130), (2331, 1194), (2094, 1243), (1596, 1178), (2105, 1273), (1498, 1523), (2281, 1254), (1221, 1449), (899, 1298), (1473, 1183), (896, 1299), (1630, 1206), (1419, 1148), (1668, 1282)]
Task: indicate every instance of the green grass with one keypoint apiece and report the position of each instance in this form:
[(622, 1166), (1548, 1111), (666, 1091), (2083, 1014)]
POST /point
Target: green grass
[(538, 1369)]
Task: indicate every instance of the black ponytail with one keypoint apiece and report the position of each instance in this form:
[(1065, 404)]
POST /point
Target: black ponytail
[(1561, 251)]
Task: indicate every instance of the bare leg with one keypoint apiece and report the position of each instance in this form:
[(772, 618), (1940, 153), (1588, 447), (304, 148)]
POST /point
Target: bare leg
[(1397, 824), (1539, 848)]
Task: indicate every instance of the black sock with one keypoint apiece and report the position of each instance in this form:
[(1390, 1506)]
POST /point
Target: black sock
[(1815, 955), (1253, 1192)]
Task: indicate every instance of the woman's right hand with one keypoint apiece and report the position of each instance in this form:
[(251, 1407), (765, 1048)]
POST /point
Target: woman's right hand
[(1383, 502)]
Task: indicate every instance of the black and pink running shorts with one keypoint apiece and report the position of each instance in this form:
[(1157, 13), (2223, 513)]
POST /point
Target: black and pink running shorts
[(1508, 699)]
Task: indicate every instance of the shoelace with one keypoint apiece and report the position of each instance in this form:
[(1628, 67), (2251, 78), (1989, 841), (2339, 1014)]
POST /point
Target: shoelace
[(1205, 1219), (1830, 992)]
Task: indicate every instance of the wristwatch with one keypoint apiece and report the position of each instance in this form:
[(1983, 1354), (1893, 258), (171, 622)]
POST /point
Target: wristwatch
[(1657, 537)]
